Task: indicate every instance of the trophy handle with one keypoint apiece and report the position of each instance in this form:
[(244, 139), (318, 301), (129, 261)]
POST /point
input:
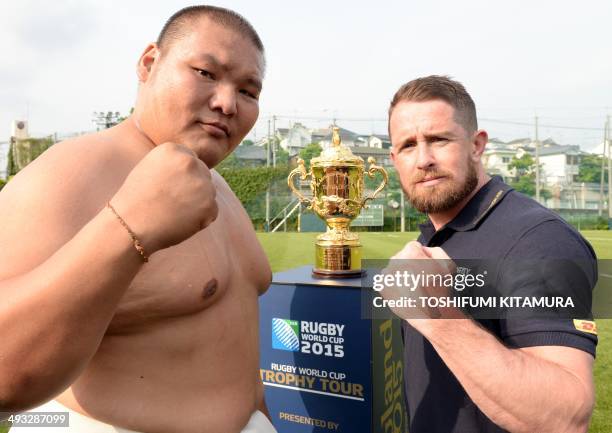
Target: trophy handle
[(301, 170), (371, 173)]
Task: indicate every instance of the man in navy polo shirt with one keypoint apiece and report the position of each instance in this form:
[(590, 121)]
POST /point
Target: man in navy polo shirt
[(465, 375)]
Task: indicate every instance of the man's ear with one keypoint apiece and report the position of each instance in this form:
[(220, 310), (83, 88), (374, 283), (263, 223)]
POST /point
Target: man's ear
[(480, 141), (149, 56)]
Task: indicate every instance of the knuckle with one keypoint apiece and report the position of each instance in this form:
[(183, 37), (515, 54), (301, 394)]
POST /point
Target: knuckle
[(185, 160), (412, 246), (168, 147)]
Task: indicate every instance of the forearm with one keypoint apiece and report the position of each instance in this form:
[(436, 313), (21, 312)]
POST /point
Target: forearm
[(53, 318), (517, 391)]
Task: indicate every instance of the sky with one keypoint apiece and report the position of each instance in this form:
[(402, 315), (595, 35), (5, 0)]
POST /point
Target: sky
[(340, 59)]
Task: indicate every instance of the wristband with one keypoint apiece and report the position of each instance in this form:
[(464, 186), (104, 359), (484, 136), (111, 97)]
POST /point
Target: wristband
[(137, 243)]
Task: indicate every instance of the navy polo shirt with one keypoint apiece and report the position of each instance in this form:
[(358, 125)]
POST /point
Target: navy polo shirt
[(502, 224)]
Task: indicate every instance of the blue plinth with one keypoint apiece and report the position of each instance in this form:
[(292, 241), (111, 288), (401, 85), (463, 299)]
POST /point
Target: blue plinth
[(324, 368)]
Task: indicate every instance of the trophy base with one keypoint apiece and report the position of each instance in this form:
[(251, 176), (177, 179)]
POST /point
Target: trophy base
[(337, 261), (324, 273)]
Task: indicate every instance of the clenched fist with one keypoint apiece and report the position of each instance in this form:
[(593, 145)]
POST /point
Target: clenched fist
[(428, 266), (167, 197)]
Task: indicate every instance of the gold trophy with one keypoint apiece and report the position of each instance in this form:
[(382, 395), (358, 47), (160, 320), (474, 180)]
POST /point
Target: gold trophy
[(337, 197)]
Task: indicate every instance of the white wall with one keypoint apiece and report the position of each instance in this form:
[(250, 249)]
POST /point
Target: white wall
[(556, 170)]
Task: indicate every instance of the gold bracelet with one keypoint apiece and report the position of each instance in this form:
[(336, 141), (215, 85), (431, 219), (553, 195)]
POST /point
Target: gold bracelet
[(137, 243)]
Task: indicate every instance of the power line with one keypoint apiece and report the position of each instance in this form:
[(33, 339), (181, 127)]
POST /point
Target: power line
[(330, 118), (485, 119), (510, 122)]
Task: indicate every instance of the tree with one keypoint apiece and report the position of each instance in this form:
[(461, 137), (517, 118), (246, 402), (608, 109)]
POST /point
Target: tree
[(282, 156), (525, 184), (589, 169), (11, 166), (311, 151), (248, 183), (247, 142), (393, 188), (523, 165), (24, 151), (525, 178), (230, 161)]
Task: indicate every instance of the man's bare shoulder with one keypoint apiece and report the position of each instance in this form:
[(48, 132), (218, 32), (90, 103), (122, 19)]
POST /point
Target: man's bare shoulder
[(48, 201), (67, 162)]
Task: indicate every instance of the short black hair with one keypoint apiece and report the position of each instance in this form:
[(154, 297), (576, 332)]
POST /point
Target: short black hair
[(443, 88), (175, 26)]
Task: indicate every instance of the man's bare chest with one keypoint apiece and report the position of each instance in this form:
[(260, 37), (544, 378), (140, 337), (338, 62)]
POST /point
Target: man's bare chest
[(192, 276)]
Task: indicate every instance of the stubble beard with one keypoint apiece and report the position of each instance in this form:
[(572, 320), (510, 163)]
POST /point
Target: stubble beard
[(443, 197)]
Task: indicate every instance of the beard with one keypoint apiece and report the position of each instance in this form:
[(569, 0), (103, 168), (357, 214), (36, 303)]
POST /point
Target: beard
[(443, 197)]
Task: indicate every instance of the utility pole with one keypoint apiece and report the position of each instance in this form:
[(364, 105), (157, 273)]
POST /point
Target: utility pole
[(268, 146), (274, 142), (603, 169), (537, 160), (268, 188), (609, 172), (403, 205)]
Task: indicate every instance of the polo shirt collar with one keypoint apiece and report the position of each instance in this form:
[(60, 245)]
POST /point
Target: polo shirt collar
[(475, 211)]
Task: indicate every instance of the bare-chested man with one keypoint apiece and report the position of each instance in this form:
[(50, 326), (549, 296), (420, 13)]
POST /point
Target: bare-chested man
[(170, 345)]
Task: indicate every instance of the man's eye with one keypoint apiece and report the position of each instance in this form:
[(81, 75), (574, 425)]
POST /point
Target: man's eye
[(249, 94), (407, 146), (205, 73)]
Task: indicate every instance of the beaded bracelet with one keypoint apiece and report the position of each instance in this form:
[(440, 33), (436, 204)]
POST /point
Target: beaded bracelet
[(137, 243)]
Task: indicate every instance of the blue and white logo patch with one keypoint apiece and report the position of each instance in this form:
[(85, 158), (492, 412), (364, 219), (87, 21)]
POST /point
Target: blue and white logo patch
[(285, 334)]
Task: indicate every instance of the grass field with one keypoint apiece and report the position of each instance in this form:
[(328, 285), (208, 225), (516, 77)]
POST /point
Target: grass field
[(289, 250)]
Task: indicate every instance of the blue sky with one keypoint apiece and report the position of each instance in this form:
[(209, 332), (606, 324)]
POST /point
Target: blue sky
[(65, 59)]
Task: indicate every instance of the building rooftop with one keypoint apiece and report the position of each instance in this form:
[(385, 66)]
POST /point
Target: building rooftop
[(324, 133), (558, 150), (251, 152)]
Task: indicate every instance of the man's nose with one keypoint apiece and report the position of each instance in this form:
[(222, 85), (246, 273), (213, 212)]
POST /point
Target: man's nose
[(224, 100), (425, 158)]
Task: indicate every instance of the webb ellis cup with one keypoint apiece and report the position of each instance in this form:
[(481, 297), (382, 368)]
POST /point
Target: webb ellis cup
[(337, 185)]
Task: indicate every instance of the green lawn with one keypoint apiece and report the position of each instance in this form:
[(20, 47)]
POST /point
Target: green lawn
[(289, 250), (602, 416)]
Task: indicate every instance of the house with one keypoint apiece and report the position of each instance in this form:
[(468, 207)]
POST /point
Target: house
[(381, 156), (520, 143), (559, 164), (294, 139), (324, 136), (379, 141), (251, 156), (496, 157)]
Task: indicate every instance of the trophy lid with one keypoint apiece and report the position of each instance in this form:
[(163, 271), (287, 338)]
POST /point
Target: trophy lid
[(336, 154)]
